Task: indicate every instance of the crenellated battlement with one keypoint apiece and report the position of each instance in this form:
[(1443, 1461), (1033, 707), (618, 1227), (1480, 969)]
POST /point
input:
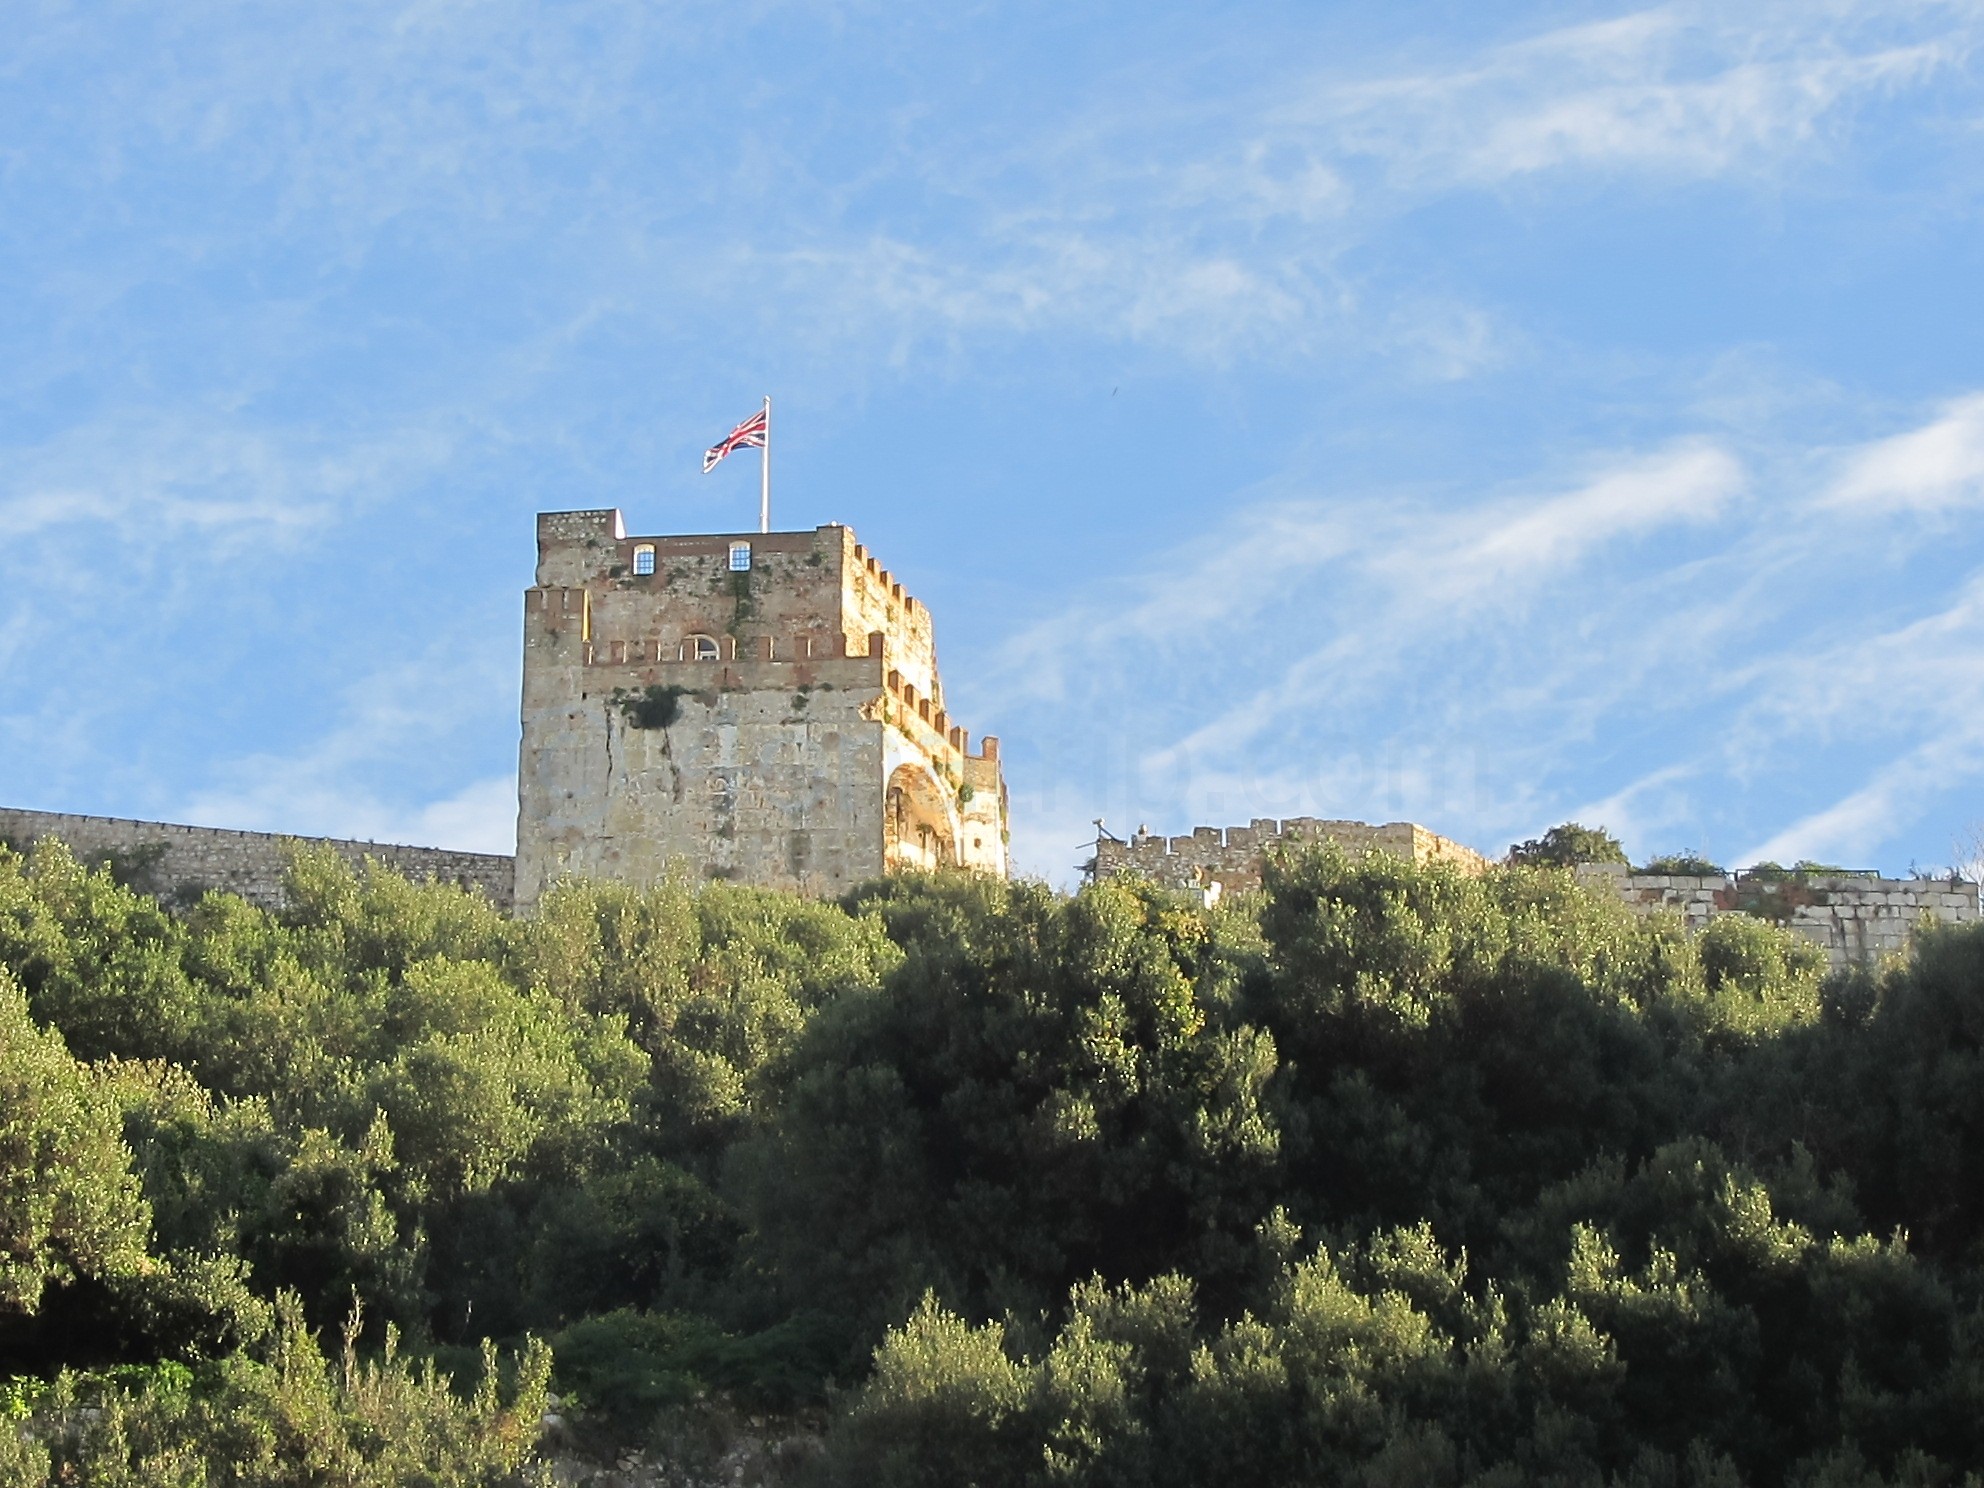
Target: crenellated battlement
[(1231, 857)]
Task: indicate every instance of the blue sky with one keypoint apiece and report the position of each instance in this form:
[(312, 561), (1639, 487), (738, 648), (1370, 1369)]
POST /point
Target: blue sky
[(1483, 415)]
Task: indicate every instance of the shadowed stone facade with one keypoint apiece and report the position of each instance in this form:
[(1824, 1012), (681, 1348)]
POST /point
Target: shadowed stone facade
[(754, 706)]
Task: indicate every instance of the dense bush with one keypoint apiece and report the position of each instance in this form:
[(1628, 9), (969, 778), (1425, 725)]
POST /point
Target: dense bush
[(285, 1417), (1683, 865), (1384, 1175), (1566, 846)]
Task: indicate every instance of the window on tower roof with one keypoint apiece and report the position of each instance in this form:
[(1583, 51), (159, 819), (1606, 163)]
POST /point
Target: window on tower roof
[(740, 557), (644, 559)]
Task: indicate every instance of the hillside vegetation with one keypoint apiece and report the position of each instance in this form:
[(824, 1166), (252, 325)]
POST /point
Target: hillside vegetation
[(1388, 1176)]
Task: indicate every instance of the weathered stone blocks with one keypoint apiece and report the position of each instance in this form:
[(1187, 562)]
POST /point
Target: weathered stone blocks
[(799, 737)]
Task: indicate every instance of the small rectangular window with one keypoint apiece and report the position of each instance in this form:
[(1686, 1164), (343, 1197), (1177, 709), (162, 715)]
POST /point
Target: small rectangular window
[(644, 559), (740, 557)]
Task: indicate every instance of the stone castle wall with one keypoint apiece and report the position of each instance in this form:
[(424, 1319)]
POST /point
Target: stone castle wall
[(1231, 856), (1857, 917), (182, 862)]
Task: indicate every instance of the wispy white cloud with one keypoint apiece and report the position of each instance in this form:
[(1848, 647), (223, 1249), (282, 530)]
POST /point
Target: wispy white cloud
[(1520, 539), (1461, 657), (1213, 227), (1855, 827), (1413, 563), (1685, 89), (1648, 810), (298, 800), (1216, 231), (141, 478), (1937, 466)]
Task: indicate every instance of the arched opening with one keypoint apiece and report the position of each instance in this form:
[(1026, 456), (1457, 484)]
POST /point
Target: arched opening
[(916, 826), (700, 648), (644, 559)]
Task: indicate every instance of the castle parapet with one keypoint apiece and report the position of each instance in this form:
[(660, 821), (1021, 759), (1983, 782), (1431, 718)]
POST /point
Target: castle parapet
[(1232, 857)]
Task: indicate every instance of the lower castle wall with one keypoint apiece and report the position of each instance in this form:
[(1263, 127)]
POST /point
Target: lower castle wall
[(1857, 918), (178, 861)]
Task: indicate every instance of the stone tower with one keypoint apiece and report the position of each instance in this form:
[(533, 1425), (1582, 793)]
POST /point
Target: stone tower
[(756, 706)]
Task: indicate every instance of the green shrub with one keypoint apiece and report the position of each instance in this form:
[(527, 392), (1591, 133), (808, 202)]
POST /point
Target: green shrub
[(1567, 845), (1682, 865), (285, 1418)]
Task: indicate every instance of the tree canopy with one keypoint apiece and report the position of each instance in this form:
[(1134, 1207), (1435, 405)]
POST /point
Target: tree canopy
[(1568, 845), (1386, 1174)]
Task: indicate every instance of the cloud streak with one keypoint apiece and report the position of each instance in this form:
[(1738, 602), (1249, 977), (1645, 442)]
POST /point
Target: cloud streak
[(1681, 90), (1933, 468), (1470, 657), (143, 478)]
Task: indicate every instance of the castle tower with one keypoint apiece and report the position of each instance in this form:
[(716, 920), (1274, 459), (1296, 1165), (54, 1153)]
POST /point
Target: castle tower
[(757, 706)]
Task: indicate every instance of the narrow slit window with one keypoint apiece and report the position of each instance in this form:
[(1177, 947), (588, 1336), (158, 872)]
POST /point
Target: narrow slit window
[(644, 559)]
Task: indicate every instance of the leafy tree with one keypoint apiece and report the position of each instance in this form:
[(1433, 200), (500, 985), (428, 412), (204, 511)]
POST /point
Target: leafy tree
[(69, 1204), (1587, 1198), (1567, 845), (98, 960), (1043, 1088)]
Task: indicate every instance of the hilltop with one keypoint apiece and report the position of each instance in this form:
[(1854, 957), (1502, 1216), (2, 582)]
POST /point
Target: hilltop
[(1385, 1173)]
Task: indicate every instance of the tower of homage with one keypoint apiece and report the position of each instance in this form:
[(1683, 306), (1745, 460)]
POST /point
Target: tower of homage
[(757, 706)]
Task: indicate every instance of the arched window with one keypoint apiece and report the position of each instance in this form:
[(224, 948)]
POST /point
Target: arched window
[(700, 648), (740, 557), (644, 559)]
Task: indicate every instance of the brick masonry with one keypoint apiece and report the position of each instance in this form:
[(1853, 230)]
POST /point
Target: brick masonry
[(179, 862)]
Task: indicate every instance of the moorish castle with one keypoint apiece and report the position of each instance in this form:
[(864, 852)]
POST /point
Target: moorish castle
[(766, 707)]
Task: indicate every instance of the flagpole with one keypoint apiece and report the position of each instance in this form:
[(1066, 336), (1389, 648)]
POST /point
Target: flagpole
[(765, 472)]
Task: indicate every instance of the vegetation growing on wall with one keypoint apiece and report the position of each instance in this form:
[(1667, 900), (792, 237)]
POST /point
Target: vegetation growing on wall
[(744, 607), (1682, 865), (1386, 1175), (653, 707)]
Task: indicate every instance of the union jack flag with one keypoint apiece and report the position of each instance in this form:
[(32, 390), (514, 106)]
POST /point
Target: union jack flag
[(748, 435)]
